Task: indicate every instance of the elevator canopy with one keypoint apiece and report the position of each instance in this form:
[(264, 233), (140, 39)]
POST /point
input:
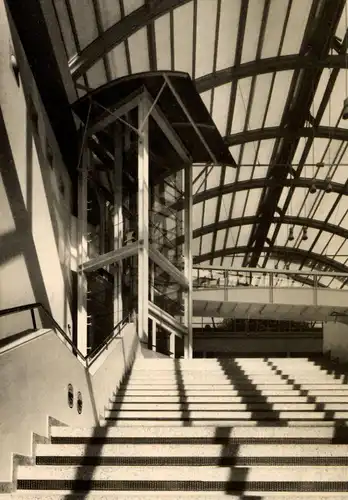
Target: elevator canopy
[(272, 75)]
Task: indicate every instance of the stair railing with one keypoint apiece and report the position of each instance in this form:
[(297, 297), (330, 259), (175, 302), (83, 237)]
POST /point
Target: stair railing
[(86, 360)]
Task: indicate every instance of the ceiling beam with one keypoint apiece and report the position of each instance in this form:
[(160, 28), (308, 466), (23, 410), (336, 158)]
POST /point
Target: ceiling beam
[(259, 183), (268, 65), (119, 32), (310, 142), (297, 110), (279, 252), (244, 221), (260, 134)]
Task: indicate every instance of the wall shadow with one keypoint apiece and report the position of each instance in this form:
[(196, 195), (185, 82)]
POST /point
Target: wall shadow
[(22, 242)]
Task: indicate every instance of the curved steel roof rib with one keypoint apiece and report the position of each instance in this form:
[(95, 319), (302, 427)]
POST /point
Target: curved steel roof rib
[(272, 76)]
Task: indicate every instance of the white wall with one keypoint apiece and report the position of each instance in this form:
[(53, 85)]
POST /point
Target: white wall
[(336, 340), (34, 214), (33, 386)]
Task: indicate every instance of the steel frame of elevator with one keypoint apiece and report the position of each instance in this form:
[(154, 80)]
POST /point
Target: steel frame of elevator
[(147, 256)]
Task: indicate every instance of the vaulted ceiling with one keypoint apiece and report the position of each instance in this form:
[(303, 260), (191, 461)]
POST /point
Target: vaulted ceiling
[(273, 75)]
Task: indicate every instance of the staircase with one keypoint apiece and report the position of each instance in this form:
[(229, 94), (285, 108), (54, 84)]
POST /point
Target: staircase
[(205, 429)]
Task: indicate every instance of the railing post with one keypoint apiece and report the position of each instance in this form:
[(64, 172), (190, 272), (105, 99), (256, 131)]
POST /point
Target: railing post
[(32, 312), (172, 345)]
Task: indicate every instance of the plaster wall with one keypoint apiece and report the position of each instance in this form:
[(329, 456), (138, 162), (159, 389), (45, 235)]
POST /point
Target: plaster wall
[(35, 199), (34, 380)]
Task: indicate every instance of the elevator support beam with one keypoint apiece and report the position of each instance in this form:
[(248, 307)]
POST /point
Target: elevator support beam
[(118, 224), (143, 221), (188, 302)]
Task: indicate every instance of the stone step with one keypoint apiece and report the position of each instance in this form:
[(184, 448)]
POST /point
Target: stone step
[(265, 478), (193, 450), (222, 371), (212, 364), (242, 432), (228, 406), (213, 399), (235, 382), (204, 378), (226, 374), (220, 422), (170, 495), (229, 391), (227, 414), (281, 384), (218, 369)]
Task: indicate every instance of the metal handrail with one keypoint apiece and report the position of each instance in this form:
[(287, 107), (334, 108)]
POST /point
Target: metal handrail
[(97, 351), (94, 354)]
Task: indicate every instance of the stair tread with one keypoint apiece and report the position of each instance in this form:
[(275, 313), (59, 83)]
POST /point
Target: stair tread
[(200, 431), (230, 413), (178, 422), (271, 426), (184, 450), (184, 473), (213, 399), (227, 406), (141, 495)]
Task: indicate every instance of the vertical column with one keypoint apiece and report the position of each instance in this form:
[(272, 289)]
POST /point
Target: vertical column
[(143, 222), (102, 225), (82, 232), (188, 303), (152, 298), (172, 345), (118, 224)]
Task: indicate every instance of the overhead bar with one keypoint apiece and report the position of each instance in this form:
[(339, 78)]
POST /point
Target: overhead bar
[(151, 107), (110, 257), (168, 130), (128, 104), (168, 267)]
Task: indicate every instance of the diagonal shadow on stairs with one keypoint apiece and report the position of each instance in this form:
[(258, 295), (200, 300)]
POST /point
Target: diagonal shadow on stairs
[(238, 479), (331, 368), (249, 392), (340, 429), (184, 406), (328, 414)]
